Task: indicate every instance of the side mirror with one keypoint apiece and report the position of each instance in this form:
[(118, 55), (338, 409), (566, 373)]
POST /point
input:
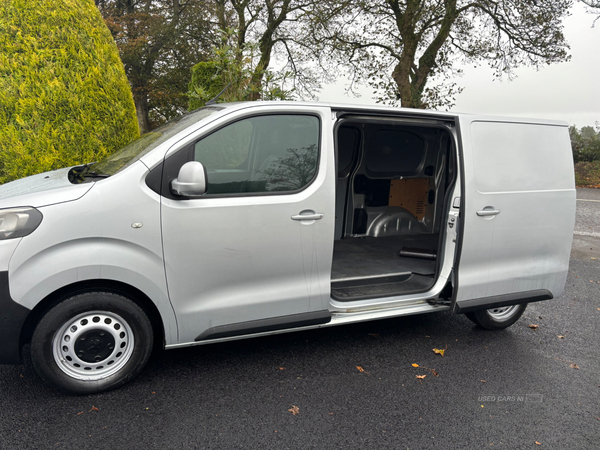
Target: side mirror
[(191, 180)]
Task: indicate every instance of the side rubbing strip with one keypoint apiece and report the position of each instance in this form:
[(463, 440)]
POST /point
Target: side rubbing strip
[(497, 301), (264, 325)]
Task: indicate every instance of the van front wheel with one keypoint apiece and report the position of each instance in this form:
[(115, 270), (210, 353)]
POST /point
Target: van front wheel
[(91, 342), (497, 318)]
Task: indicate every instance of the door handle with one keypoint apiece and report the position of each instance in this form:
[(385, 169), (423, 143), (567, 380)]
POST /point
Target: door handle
[(488, 212), (314, 216)]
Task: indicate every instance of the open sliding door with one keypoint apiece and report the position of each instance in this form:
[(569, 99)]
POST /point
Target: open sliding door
[(518, 212)]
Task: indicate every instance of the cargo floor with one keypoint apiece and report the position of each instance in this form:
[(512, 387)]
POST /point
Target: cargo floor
[(369, 256), (372, 267)]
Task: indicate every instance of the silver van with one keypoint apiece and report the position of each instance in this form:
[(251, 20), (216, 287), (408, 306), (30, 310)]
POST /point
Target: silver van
[(248, 219)]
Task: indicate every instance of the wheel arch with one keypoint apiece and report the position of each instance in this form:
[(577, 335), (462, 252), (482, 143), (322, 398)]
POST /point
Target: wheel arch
[(105, 285)]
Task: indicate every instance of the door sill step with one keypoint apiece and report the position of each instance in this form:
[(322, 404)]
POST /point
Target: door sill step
[(347, 282), (373, 312)]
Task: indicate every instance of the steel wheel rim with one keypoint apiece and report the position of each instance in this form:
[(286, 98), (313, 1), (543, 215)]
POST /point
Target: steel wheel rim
[(504, 312), (93, 345)]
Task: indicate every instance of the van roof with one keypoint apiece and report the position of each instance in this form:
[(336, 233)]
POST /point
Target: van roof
[(350, 107)]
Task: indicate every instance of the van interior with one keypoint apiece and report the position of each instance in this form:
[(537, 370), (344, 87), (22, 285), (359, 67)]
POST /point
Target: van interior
[(392, 179)]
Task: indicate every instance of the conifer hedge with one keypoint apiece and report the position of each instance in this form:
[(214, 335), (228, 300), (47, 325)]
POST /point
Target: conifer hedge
[(64, 96)]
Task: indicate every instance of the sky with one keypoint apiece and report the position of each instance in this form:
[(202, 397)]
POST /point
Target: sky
[(567, 91)]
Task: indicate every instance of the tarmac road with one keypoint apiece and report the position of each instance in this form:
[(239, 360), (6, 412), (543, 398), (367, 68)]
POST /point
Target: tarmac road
[(510, 389)]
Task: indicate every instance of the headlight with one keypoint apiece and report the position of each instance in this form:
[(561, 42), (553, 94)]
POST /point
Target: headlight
[(18, 222)]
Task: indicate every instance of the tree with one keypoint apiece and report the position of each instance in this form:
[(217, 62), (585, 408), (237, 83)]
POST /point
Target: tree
[(159, 42), (234, 79), (264, 29), (414, 42), (591, 3), (585, 144), (594, 8), (64, 97)]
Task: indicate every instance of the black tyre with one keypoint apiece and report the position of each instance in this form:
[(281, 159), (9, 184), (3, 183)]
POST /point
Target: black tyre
[(497, 318), (91, 342)]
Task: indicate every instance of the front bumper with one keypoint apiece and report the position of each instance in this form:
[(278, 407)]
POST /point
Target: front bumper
[(12, 318)]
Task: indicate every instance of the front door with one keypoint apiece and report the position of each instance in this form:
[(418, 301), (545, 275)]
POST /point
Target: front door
[(518, 211), (254, 253)]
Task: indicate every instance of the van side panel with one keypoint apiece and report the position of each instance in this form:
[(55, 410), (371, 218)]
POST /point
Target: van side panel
[(518, 209)]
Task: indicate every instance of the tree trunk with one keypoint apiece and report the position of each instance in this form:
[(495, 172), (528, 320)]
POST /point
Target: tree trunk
[(141, 108), (410, 78)]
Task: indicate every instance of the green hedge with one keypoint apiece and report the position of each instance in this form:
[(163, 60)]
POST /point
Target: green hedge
[(64, 96), (205, 84)]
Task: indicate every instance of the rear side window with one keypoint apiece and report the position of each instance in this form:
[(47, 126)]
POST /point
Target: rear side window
[(396, 152), (512, 157), (275, 153)]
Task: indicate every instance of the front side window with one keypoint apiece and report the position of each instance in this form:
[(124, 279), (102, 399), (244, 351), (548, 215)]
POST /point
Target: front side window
[(276, 153)]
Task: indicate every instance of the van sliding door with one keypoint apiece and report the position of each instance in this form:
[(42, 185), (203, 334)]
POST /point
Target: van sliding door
[(518, 212)]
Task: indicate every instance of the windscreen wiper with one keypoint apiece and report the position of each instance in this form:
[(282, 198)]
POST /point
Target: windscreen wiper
[(78, 174)]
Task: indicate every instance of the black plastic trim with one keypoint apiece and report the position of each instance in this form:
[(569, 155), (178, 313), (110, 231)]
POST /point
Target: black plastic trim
[(264, 325), (497, 301), (12, 318), (461, 215), (154, 178)]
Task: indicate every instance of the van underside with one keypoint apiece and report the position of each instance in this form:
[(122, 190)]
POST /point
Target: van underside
[(391, 205)]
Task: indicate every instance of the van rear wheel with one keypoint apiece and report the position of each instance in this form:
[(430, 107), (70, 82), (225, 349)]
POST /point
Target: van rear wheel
[(91, 342), (497, 318)]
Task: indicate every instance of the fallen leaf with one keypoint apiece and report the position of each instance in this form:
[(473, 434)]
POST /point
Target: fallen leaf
[(572, 365), (294, 410), (534, 326), (537, 443), (435, 374), (560, 336), (282, 368), (80, 413), (483, 381), (94, 409), (360, 369), (441, 351), (420, 377), (415, 365)]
